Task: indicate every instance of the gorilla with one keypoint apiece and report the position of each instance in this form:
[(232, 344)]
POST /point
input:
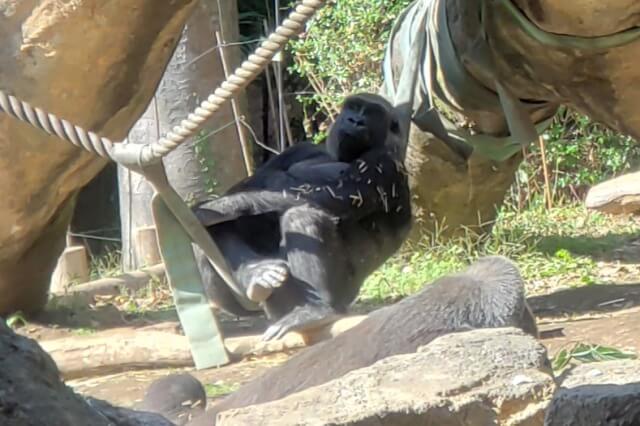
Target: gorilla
[(177, 397), (302, 234), (488, 294)]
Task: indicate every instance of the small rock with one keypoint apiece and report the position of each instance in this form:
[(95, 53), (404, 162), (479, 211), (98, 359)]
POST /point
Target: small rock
[(31, 392), (520, 379), (608, 394), (620, 195)]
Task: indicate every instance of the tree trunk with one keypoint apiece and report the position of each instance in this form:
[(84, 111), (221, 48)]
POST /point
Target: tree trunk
[(94, 63), (210, 162)]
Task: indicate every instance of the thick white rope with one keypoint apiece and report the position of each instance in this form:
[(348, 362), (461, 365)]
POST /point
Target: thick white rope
[(134, 155)]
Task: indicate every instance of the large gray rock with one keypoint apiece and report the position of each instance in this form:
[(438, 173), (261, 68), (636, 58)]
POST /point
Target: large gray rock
[(602, 394), (31, 392), (94, 63), (482, 377)]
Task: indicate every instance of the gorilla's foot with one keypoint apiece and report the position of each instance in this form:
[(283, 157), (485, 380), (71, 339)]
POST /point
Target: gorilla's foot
[(302, 319), (262, 277)]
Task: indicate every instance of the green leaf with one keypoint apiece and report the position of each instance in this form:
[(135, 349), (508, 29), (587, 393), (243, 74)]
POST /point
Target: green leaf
[(587, 353), (16, 320)]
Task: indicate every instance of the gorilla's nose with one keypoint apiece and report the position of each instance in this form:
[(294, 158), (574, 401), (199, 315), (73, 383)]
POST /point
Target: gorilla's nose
[(356, 121)]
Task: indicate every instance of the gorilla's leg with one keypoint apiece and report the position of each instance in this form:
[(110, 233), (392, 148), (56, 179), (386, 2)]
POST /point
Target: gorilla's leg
[(261, 277), (257, 275), (316, 262)]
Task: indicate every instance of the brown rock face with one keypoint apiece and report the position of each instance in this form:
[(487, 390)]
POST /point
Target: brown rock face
[(94, 63), (602, 83), (597, 18), (482, 377), (450, 193)]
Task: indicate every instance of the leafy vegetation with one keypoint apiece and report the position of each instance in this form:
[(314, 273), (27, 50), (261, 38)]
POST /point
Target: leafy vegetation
[(220, 389), (106, 266), (342, 50), (554, 248), (579, 153), (586, 353), (16, 320)]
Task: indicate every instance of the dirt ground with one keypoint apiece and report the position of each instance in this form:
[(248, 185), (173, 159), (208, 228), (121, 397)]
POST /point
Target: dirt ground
[(596, 314)]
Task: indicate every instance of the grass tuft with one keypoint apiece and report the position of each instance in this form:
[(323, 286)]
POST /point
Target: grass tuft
[(563, 247)]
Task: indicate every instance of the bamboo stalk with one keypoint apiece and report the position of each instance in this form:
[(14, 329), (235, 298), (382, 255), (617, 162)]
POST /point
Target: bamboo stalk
[(545, 172), (246, 151)]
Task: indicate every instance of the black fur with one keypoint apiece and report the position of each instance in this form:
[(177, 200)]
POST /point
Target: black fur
[(303, 232), (178, 397), (488, 294)]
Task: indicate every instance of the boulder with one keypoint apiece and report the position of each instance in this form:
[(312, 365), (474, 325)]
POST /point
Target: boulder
[(604, 393), (482, 377), (452, 195), (94, 63), (452, 191), (31, 392), (620, 195)]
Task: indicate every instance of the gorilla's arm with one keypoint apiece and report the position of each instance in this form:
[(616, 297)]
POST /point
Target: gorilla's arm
[(297, 153), (320, 173), (239, 204), (292, 165), (372, 183)]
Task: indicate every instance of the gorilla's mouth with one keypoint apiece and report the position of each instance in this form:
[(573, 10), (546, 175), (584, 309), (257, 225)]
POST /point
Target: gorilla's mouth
[(352, 143), (354, 136)]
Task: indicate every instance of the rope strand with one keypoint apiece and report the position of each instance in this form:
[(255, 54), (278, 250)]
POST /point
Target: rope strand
[(140, 155)]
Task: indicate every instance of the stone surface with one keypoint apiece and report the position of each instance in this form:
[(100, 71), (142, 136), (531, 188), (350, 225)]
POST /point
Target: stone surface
[(604, 393), (620, 195), (605, 84), (482, 377), (94, 63), (451, 194), (31, 392), (598, 18)]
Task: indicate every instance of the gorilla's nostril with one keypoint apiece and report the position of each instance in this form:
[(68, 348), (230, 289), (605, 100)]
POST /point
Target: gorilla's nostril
[(358, 122)]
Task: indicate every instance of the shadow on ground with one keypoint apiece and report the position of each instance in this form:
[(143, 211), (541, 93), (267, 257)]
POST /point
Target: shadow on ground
[(623, 248), (573, 301), (587, 299), (82, 319)]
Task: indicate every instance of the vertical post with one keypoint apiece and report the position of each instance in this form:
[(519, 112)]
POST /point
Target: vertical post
[(545, 171), (211, 161), (246, 149), (72, 268), (146, 246)]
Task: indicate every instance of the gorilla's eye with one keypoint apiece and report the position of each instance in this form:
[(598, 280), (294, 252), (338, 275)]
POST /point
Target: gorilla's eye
[(395, 126)]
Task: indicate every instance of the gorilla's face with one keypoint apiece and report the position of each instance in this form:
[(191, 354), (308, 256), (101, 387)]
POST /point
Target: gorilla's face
[(365, 122)]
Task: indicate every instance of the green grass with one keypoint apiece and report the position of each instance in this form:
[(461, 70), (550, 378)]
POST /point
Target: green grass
[(83, 331), (106, 266), (219, 389), (557, 248), (16, 320)]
